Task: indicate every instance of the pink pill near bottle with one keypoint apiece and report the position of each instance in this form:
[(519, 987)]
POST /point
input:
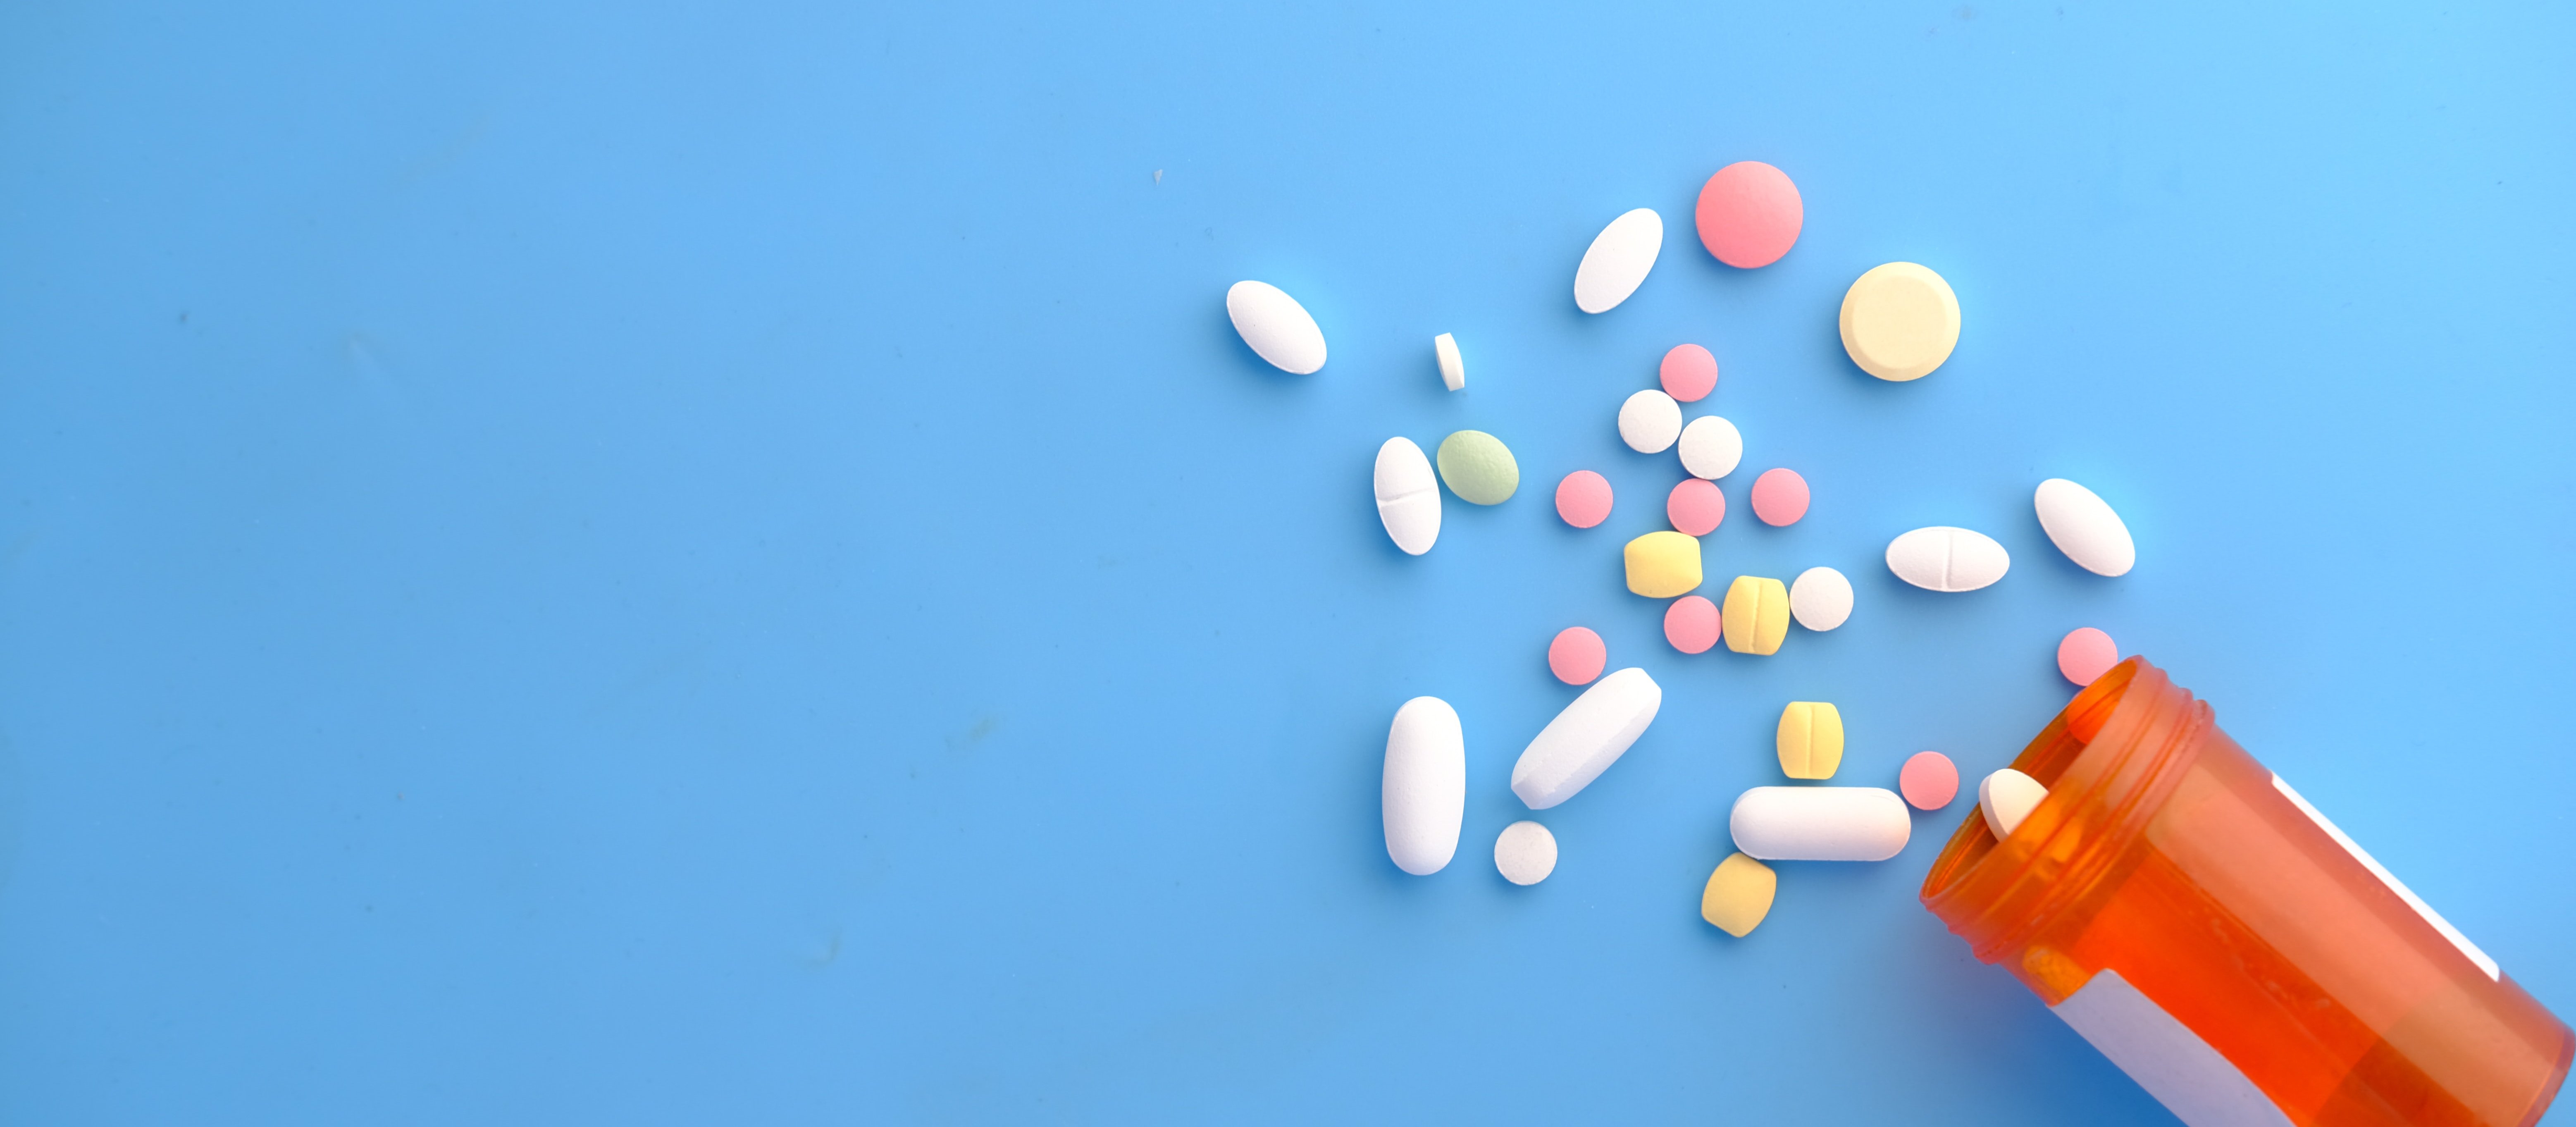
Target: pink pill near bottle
[(1695, 507), (2086, 653), (1929, 780), (1689, 373), (1583, 498), (1577, 655), (1779, 497), (1749, 214), (1690, 624)]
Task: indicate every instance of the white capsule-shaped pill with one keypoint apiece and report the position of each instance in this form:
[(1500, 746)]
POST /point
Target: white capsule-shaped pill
[(1941, 558), (2083, 526), (1711, 447), (1453, 367), (1276, 326), (1820, 824), (1408, 496), (1649, 422), (1820, 599), (2005, 798), (1585, 739), (1424, 793), (1617, 262)]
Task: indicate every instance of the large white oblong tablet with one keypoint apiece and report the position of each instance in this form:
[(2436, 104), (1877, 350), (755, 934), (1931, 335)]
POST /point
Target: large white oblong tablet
[(1585, 739), (2083, 526), (1649, 422), (1941, 558), (1618, 260), (1275, 326), (1425, 788), (1820, 599), (1820, 823), (1711, 447), (1408, 496)]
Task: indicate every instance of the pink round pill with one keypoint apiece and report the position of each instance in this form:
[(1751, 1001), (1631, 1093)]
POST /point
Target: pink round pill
[(1695, 507), (1929, 780), (1689, 373), (2086, 653), (1690, 624), (1577, 655), (1583, 499), (1779, 497), (1749, 214)]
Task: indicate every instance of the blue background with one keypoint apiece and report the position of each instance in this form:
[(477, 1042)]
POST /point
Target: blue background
[(721, 562)]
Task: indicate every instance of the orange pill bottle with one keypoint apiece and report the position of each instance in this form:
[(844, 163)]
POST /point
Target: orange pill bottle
[(2224, 944)]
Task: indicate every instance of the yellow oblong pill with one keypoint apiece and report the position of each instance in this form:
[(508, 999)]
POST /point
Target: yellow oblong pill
[(1810, 740), (1738, 895), (1662, 565), (1900, 321), (1756, 616)]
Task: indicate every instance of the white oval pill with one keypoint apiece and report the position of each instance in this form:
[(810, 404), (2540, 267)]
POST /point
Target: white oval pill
[(1453, 367), (1821, 599), (2083, 526), (1649, 422), (1820, 823), (1585, 739), (1618, 260), (1525, 853), (2005, 798), (1408, 496), (1275, 326), (1941, 558), (1424, 792), (1711, 447)]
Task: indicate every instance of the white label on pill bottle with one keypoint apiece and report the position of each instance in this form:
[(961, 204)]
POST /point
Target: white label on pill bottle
[(2394, 885), (2165, 1057)]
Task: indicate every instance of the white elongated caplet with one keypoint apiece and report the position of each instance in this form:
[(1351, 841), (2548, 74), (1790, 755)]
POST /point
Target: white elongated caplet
[(1586, 738), (1941, 558), (1618, 260), (1424, 792), (2083, 526), (1276, 327), (1820, 824), (1408, 496)]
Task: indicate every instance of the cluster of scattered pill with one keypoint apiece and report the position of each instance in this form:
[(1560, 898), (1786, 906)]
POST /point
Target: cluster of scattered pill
[(1899, 321)]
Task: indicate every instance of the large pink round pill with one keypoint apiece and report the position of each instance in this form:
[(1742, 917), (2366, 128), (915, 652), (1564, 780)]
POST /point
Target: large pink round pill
[(1689, 373), (2086, 653), (1749, 214), (1583, 498), (1929, 780), (1690, 624), (1577, 655), (1695, 507), (1779, 497)]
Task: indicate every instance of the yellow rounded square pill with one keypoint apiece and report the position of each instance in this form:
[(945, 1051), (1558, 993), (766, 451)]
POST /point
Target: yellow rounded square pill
[(1663, 565), (1738, 895), (1810, 740), (1756, 616)]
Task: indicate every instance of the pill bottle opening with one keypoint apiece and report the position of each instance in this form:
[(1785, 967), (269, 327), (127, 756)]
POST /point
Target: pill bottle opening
[(2106, 758)]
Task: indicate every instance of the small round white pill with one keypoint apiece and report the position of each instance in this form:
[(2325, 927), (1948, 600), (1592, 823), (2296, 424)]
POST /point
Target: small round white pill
[(1276, 327), (1525, 853), (2083, 526), (1941, 558), (1820, 599), (1649, 422), (2005, 798), (1617, 261), (1711, 447)]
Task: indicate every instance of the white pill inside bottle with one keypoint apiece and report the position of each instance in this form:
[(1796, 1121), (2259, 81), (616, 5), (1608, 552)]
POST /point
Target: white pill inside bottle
[(1820, 824)]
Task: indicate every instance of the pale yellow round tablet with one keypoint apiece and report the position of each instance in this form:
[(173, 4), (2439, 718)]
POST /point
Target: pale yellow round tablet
[(1900, 321)]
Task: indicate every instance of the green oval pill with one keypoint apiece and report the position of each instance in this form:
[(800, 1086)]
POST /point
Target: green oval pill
[(1479, 468)]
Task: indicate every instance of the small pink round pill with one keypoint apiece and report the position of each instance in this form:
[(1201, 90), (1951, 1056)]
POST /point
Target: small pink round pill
[(1695, 507), (1749, 214), (1690, 624), (1583, 499), (1689, 373), (1929, 780), (2086, 653), (1577, 655), (1779, 497)]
